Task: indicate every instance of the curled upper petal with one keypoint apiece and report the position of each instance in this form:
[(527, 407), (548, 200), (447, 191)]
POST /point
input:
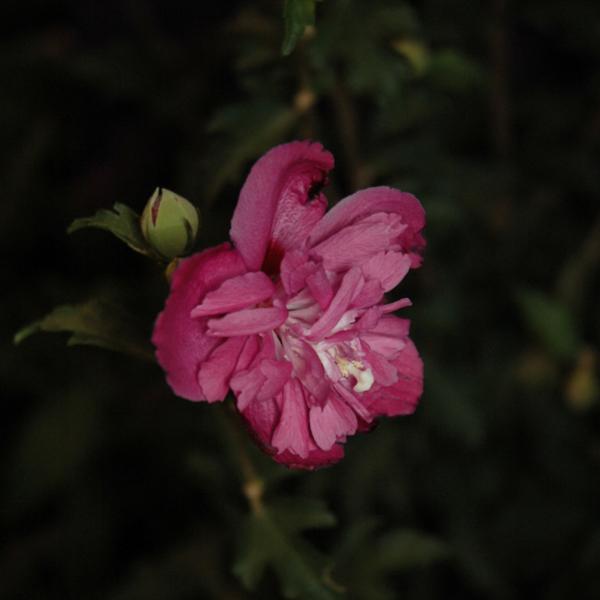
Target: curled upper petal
[(181, 342), (364, 203), (280, 202)]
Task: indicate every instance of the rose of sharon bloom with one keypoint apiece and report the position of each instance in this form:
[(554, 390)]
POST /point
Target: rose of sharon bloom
[(292, 316)]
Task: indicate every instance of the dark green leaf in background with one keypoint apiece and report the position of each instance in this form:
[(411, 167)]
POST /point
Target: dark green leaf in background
[(272, 539), (298, 15), (551, 322), (95, 323)]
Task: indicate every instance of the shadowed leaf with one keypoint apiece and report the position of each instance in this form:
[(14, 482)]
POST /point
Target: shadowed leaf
[(121, 221), (95, 323), (551, 322), (298, 15), (271, 539)]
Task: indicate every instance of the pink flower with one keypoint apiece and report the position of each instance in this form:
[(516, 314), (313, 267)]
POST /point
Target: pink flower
[(292, 317)]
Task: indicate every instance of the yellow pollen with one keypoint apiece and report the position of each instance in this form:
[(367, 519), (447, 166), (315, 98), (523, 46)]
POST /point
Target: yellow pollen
[(364, 377)]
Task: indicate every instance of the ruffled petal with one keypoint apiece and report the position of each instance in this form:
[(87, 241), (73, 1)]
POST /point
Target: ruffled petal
[(402, 397), (247, 321), (295, 268), (291, 433), (280, 202), (348, 290), (388, 268), (214, 373), (367, 202), (181, 342), (331, 422), (316, 459), (355, 244), (234, 294)]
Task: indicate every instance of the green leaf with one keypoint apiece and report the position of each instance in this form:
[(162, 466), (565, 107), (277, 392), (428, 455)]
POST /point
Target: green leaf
[(121, 221), (95, 323), (551, 322), (271, 539), (298, 15), (407, 549)]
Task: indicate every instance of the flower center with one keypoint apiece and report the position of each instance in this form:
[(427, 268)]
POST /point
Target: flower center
[(355, 368)]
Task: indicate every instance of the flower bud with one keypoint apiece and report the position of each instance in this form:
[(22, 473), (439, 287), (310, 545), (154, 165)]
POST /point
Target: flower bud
[(169, 223)]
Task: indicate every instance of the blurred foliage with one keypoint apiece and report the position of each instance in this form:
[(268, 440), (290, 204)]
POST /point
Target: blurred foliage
[(489, 113), (95, 323)]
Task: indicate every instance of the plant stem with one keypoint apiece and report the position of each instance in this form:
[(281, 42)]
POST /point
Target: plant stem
[(252, 483)]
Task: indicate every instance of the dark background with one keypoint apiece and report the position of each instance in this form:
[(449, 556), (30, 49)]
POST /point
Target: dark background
[(488, 111)]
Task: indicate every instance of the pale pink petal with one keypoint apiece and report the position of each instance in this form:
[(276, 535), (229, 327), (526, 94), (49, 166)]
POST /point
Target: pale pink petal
[(348, 290), (295, 268), (181, 342), (384, 371), (369, 319), (393, 306), (214, 373), (367, 202), (392, 325), (371, 294), (276, 373), (352, 400), (247, 321), (262, 417), (291, 433), (280, 201), (389, 268), (309, 369), (320, 287), (332, 422), (234, 294), (249, 352), (357, 243), (402, 397), (246, 385)]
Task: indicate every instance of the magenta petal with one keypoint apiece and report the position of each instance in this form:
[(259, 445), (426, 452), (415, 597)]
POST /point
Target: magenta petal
[(181, 342), (384, 371), (309, 370), (332, 422), (371, 294), (320, 287), (247, 321), (246, 385), (389, 268), (214, 373), (316, 459), (234, 294), (402, 397), (279, 200), (295, 268), (291, 432), (367, 202), (348, 290), (357, 243), (393, 306), (276, 374)]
